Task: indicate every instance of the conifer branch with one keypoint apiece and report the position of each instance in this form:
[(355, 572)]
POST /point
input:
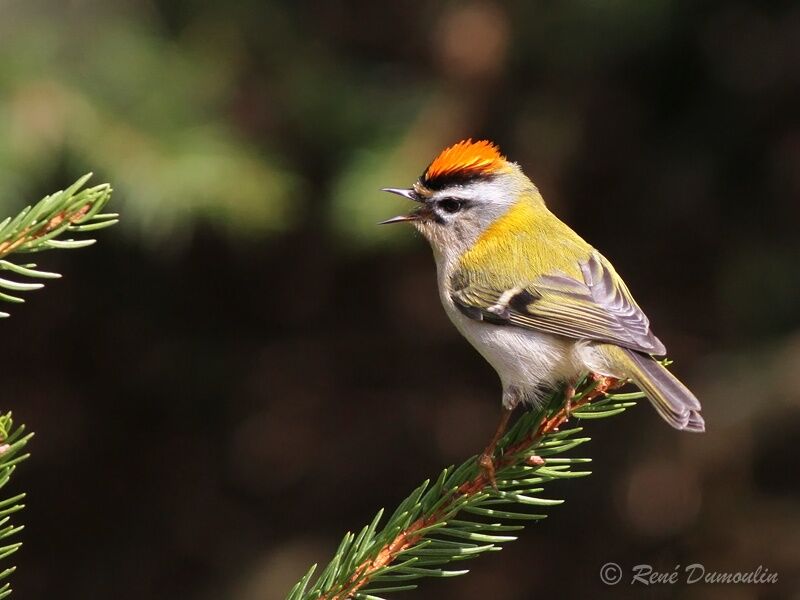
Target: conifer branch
[(12, 441), (37, 228), (461, 515), (40, 227)]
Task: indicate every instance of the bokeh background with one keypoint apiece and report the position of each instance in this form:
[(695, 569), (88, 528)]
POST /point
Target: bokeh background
[(247, 366)]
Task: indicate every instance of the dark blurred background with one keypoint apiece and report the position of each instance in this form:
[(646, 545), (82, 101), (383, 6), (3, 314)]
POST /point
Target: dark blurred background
[(247, 366)]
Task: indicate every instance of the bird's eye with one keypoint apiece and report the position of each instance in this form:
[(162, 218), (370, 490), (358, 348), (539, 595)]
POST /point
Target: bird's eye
[(450, 205)]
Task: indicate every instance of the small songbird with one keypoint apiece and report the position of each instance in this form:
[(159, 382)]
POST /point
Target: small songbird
[(541, 305)]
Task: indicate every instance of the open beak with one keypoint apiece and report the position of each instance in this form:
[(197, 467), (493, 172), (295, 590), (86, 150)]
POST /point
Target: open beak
[(405, 193), (400, 219)]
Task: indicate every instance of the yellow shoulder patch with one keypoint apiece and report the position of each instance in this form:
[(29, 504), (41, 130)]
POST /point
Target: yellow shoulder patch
[(527, 242)]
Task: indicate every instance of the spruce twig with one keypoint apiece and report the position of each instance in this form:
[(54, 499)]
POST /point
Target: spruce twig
[(41, 227), (461, 515), (35, 229), (12, 441)]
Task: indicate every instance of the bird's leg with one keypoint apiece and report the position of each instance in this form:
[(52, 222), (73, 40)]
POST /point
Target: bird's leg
[(511, 397), (486, 459), (569, 394)]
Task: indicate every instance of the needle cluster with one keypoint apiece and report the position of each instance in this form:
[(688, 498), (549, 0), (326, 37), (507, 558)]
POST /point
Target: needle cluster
[(42, 227)]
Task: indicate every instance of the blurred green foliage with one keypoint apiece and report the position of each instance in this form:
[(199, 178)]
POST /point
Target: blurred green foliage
[(147, 112)]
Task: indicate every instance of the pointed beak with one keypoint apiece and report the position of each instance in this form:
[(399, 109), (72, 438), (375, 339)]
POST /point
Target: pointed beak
[(400, 219), (404, 192)]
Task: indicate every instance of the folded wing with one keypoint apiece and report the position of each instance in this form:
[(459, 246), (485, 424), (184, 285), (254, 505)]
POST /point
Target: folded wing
[(598, 308)]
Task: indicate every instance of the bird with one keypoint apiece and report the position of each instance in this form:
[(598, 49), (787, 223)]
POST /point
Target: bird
[(538, 302)]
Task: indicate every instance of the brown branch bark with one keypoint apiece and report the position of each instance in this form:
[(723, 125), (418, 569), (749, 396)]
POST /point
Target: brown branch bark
[(41, 229)]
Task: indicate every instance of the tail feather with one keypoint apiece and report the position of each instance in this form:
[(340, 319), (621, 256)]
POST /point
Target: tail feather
[(673, 400), (696, 422)]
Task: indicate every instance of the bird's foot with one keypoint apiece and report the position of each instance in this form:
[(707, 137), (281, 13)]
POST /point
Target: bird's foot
[(605, 383)]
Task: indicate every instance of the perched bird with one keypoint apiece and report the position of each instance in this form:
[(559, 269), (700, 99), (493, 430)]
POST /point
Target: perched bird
[(539, 303)]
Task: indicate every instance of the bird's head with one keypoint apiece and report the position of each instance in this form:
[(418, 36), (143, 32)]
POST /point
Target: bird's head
[(466, 188)]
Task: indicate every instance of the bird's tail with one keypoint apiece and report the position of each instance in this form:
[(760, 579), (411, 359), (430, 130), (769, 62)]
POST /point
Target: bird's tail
[(673, 400)]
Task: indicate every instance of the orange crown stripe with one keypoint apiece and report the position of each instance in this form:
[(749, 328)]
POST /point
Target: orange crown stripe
[(466, 158)]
